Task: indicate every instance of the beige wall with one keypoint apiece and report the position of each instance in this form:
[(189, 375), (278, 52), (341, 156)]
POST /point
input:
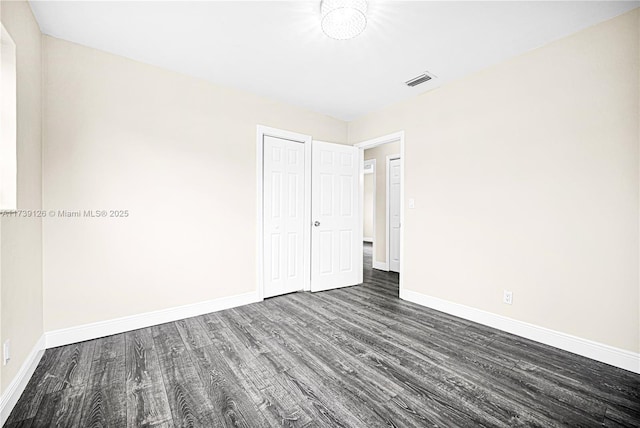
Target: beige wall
[(367, 215), (380, 154), (525, 177), (21, 241), (180, 154)]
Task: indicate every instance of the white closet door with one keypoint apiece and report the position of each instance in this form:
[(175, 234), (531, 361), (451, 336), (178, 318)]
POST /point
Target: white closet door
[(394, 215), (336, 237), (283, 211)]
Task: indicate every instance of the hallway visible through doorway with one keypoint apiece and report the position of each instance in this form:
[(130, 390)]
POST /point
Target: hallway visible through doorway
[(388, 280)]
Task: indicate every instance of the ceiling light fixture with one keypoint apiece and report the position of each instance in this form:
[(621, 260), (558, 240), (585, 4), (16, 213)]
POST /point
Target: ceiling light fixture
[(343, 19)]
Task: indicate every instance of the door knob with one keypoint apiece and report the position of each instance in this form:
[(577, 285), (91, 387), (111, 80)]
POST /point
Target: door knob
[(316, 223)]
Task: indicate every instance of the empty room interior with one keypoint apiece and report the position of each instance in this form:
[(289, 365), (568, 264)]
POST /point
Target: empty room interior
[(322, 213)]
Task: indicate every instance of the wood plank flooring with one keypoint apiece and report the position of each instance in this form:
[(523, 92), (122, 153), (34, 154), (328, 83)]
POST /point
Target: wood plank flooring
[(354, 357)]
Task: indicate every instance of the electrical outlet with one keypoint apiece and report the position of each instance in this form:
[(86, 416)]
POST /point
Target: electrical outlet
[(6, 352), (507, 297)]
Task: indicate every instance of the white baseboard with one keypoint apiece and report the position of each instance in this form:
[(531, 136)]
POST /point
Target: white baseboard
[(381, 266), (367, 239), (587, 348), (95, 330), (18, 384), (106, 328)]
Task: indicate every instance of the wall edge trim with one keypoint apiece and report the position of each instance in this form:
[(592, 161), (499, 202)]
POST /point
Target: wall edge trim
[(380, 265), (99, 329), (15, 389), (617, 357)]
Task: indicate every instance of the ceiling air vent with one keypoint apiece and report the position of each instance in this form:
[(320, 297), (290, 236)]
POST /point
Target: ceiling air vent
[(418, 80)]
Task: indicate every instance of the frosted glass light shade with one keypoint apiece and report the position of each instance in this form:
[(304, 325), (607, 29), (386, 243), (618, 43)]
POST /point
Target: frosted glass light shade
[(343, 19)]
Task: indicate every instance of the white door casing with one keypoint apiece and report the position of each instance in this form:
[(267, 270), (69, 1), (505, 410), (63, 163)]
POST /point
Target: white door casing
[(283, 213), (393, 213), (336, 213)]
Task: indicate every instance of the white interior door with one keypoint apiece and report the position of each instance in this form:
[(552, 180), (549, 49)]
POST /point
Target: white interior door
[(394, 214), (336, 237), (283, 214)]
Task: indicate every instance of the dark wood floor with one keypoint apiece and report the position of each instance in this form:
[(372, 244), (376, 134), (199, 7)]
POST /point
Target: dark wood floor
[(355, 357)]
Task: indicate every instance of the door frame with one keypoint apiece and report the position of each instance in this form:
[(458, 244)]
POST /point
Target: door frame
[(368, 144), (388, 208), (374, 167), (261, 132)]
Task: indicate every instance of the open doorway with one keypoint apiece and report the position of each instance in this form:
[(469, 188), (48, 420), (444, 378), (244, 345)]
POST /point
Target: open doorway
[(381, 204), (369, 200), (382, 211)]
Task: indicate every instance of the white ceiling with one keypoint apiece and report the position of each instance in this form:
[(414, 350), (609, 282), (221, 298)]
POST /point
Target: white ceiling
[(277, 49)]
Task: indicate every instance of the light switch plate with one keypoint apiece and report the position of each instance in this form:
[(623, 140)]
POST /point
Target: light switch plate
[(412, 203)]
